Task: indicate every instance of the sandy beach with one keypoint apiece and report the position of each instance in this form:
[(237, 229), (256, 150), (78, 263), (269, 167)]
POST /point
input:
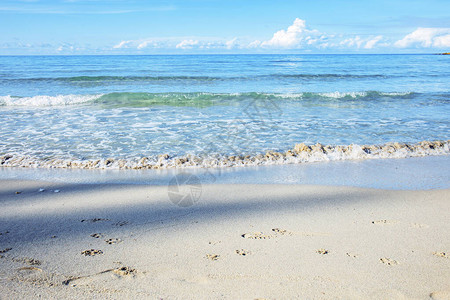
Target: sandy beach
[(264, 150), (241, 241)]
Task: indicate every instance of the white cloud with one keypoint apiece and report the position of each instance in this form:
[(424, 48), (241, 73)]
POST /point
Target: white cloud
[(371, 43), (352, 42), (187, 44), (426, 38), (292, 37), (147, 43), (296, 36), (442, 41), (67, 48), (254, 44), (231, 43), (122, 44)]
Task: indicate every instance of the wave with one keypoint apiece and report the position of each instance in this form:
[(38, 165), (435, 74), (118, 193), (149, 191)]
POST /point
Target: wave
[(118, 79), (42, 100), (331, 76), (301, 153), (132, 99)]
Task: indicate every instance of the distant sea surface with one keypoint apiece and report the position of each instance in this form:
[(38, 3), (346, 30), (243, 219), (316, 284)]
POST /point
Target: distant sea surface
[(213, 110)]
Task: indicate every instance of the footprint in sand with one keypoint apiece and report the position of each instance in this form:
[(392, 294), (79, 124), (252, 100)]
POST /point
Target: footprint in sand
[(94, 220), (120, 272), (92, 252), (37, 277), (440, 295), (419, 225), (214, 242), (212, 256), (257, 236), (97, 235), (353, 255), (121, 223), (243, 252), (388, 261), (384, 222), (124, 271), (323, 251), (282, 231), (441, 254), (28, 261), (113, 241), (262, 236)]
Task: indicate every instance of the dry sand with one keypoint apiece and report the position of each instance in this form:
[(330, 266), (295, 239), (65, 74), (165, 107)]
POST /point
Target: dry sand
[(237, 242)]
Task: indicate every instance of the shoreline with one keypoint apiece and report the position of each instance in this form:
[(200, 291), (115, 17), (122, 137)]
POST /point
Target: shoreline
[(365, 229), (237, 241), (301, 153), (414, 173)]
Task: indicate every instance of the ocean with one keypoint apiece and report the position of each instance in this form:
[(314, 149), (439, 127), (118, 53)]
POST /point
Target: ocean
[(153, 112)]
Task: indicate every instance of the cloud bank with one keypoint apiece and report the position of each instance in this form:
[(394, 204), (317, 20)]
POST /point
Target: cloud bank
[(426, 38), (297, 36)]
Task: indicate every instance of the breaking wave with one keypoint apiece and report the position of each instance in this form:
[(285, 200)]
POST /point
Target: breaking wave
[(131, 99), (301, 153), (42, 100)]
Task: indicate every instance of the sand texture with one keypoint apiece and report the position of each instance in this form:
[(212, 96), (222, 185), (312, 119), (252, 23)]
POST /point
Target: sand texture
[(247, 241)]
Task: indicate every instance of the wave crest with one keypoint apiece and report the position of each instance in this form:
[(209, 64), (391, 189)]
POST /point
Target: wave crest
[(42, 100), (133, 99), (301, 153)]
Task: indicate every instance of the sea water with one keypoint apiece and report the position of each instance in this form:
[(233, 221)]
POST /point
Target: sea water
[(220, 110)]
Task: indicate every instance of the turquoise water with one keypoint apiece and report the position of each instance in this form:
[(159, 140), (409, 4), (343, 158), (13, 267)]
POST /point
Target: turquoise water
[(80, 108)]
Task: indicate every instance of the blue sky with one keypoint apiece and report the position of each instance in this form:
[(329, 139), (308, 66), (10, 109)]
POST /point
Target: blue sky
[(209, 26)]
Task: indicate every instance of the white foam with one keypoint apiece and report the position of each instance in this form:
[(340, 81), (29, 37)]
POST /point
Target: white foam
[(300, 154), (42, 100), (338, 95)]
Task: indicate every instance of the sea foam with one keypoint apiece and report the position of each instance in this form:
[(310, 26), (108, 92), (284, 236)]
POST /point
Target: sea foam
[(43, 100), (301, 153), (141, 99)]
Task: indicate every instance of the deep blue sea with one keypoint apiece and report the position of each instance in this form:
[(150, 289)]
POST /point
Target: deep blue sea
[(89, 108)]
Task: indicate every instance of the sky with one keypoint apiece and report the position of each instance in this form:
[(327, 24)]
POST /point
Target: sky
[(77, 27)]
